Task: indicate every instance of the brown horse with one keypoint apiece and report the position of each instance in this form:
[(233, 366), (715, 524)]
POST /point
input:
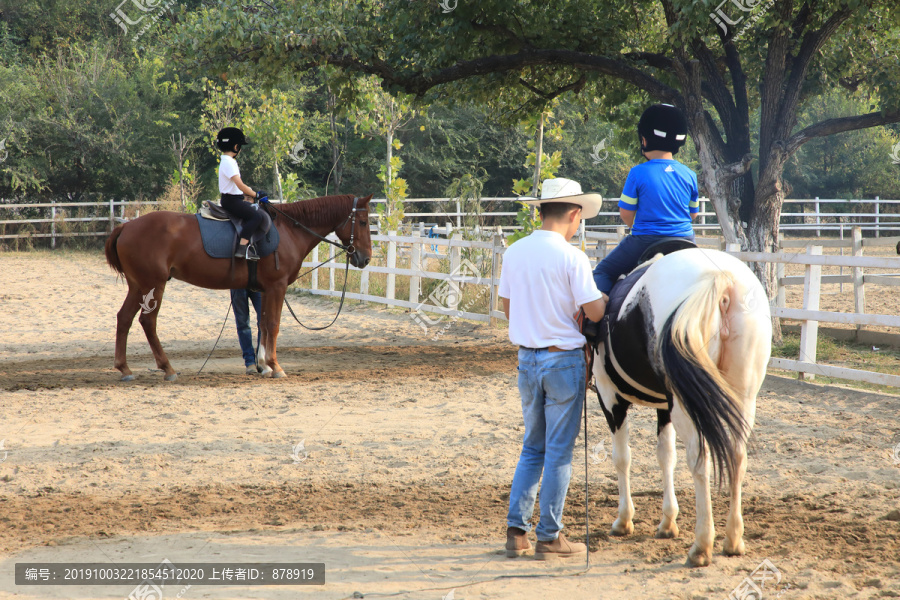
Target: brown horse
[(159, 246)]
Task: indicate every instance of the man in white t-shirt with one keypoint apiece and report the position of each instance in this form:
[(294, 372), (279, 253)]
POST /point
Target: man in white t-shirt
[(543, 284)]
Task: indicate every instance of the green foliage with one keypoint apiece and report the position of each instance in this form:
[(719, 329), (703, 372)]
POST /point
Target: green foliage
[(856, 164), (391, 212), (82, 120)]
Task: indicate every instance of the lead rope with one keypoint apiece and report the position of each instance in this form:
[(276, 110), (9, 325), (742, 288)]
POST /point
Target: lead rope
[(587, 528), (340, 306)]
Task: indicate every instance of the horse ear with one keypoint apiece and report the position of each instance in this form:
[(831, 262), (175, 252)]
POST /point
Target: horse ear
[(365, 201)]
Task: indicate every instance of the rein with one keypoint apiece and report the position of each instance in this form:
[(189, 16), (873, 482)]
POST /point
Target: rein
[(348, 249)]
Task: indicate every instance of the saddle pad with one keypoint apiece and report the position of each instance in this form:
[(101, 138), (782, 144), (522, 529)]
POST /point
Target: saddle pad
[(626, 337), (218, 239)]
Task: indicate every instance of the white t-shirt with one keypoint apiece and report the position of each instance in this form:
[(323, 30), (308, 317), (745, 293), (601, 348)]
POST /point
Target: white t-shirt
[(228, 168), (547, 281)]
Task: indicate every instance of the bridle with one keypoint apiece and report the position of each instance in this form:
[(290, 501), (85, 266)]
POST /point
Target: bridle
[(347, 249)]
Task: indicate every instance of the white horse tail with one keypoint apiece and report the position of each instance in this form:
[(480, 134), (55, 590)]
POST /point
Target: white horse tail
[(684, 346)]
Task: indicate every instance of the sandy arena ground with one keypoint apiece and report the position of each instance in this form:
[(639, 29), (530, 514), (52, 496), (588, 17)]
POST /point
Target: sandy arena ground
[(409, 447)]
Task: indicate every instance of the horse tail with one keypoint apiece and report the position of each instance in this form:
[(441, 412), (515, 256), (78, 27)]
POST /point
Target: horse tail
[(708, 399), (112, 254)]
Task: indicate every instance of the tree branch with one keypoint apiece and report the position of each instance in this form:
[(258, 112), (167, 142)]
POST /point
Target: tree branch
[(418, 82), (576, 86), (839, 125), (812, 43)]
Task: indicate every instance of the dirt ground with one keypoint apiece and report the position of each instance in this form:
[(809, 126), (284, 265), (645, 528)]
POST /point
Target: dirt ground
[(408, 449)]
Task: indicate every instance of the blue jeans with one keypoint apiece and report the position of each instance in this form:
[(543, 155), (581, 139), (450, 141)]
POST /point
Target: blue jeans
[(624, 258), (240, 304), (552, 388)]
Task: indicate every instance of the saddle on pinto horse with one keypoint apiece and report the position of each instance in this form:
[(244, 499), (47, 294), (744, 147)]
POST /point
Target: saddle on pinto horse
[(625, 351)]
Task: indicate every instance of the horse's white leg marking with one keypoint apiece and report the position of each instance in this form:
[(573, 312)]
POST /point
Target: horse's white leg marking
[(704, 535), (665, 453), (261, 360), (621, 455)]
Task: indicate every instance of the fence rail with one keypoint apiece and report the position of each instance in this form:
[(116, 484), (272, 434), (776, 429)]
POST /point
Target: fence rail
[(874, 218)]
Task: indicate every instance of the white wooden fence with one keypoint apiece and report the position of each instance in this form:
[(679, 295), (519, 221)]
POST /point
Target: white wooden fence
[(57, 218), (873, 215), (596, 246)]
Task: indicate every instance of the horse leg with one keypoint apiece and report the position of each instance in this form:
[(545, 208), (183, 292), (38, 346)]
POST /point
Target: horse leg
[(148, 322), (621, 455), (734, 526), (743, 363), (700, 554), (273, 300), (124, 319), (665, 454), (616, 413)]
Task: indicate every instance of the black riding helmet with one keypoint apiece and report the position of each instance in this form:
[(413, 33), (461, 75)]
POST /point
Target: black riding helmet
[(664, 127), (228, 137)]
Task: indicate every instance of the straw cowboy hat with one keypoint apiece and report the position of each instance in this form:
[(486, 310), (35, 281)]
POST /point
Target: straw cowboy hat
[(566, 190)]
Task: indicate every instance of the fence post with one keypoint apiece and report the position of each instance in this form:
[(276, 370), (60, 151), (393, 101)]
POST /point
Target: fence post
[(818, 222), (112, 215), (779, 286), (703, 211), (53, 225), (453, 299), (415, 265), (809, 330), (859, 282), (458, 215), (877, 216), (364, 284), (331, 268), (314, 276), (496, 253), (392, 264)]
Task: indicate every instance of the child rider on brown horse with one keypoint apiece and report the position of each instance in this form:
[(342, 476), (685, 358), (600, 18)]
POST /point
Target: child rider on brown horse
[(234, 191)]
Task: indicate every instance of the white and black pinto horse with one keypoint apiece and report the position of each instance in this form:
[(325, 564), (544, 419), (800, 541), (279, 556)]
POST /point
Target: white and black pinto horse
[(689, 335)]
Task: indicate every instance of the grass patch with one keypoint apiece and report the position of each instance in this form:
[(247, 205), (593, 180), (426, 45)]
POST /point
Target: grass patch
[(845, 354)]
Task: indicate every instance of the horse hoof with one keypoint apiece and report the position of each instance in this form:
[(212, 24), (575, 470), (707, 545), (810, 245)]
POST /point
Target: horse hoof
[(729, 549), (667, 534), (171, 377), (698, 558), (278, 374), (619, 529), (266, 372), (127, 377)]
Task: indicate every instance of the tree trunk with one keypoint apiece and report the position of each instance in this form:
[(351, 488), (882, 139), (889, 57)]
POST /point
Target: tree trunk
[(538, 153), (278, 182), (763, 227), (336, 146), (387, 172)]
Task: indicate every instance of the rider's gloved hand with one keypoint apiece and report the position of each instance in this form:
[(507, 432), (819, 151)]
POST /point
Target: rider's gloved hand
[(262, 196)]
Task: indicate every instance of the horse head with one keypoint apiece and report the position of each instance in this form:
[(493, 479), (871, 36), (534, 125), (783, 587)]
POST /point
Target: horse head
[(354, 232)]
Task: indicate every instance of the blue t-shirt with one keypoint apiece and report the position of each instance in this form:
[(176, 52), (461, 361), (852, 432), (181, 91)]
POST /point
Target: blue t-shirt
[(664, 194)]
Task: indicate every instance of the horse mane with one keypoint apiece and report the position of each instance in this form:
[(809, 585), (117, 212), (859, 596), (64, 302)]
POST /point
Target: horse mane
[(325, 210)]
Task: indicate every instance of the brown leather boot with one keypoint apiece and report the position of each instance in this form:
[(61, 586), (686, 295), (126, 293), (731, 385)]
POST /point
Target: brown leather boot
[(517, 542), (559, 548)]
